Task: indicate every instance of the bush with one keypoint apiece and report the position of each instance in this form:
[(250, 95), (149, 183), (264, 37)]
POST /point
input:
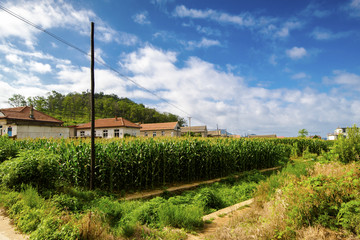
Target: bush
[(67, 202), (38, 168), (8, 148), (347, 149), (349, 216)]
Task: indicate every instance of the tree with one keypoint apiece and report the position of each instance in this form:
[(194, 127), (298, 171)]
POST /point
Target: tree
[(17, 100), (303, 132)]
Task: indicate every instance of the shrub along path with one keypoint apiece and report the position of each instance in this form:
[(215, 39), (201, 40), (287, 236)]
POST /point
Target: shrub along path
[(7, 231), (174, 189)]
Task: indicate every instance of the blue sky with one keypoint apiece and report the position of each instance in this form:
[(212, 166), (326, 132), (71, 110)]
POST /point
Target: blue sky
[(252, 67)]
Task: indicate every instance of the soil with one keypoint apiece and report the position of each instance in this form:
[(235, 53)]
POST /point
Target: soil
[(7, 231)]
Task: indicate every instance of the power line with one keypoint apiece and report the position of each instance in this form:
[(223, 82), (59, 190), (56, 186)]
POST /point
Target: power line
[(96, 59)]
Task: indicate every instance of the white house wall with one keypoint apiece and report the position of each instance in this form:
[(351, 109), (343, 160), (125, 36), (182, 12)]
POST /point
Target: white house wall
[(111, 132)]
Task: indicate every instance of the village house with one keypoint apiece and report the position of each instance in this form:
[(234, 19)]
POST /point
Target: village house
[(168, 129), (26, 122), (338, 132), (109, 128), (200, 131)]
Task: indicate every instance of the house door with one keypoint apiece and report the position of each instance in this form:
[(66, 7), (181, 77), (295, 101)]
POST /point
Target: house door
[(10, 131)]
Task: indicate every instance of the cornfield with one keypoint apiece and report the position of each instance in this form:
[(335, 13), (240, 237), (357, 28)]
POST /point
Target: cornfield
[(138, 163)]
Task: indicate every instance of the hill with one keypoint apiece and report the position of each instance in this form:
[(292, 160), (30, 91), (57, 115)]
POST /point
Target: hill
[(74, 108)]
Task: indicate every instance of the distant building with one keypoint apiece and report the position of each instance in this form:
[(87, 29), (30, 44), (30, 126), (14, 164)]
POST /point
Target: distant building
[(263, 136), (26, 122), (338, 131), (167, 129), (218, 133), (214, 133), (200, 131), (109, 128)]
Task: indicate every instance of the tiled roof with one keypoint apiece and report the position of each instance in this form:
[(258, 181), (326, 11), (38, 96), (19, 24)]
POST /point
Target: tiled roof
[(109, 122), (158, 126), (23, 113)]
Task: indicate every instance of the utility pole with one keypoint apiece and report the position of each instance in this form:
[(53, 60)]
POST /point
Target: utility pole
[(92, 165)]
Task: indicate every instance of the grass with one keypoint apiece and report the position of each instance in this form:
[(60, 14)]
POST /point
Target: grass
[(71, 213)]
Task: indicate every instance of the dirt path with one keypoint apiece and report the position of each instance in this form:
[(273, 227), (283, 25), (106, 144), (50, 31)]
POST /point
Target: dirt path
[(7, 231), (220, 218)]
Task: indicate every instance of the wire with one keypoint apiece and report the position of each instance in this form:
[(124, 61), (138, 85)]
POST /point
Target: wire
[(96, 59)]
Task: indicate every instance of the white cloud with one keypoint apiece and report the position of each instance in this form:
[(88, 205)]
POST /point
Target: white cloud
[(8, 90), (208, 31), (13, 58), (316, 10), (78, 79), (272, 60), (9, 49), (204, 43), (213, 97), (39, 67), (296, 52), (161, 3), (353, 8), (27, 80), (268, 26), (300, 75), (244, 19), (345, 79), (141, 18), (284, 31), (324, 34), (49, 14)]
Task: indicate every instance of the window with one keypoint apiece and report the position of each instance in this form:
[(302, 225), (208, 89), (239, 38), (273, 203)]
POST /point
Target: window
[(82, 133), (162, 133), (154, 134), (145, 134), (116, 133), (105, 133)]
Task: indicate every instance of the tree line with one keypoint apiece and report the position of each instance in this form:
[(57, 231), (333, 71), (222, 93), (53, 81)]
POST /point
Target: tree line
[(74, 108)]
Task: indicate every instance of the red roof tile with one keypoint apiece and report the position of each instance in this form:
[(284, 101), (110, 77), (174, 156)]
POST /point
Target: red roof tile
[(23, 113), (158, 126), (109, 122)]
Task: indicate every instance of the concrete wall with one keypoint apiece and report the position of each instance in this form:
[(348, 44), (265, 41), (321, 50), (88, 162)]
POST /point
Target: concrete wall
[(26, 131)]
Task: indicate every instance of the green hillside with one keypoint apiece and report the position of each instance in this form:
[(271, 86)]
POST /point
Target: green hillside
[(74, 108)]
